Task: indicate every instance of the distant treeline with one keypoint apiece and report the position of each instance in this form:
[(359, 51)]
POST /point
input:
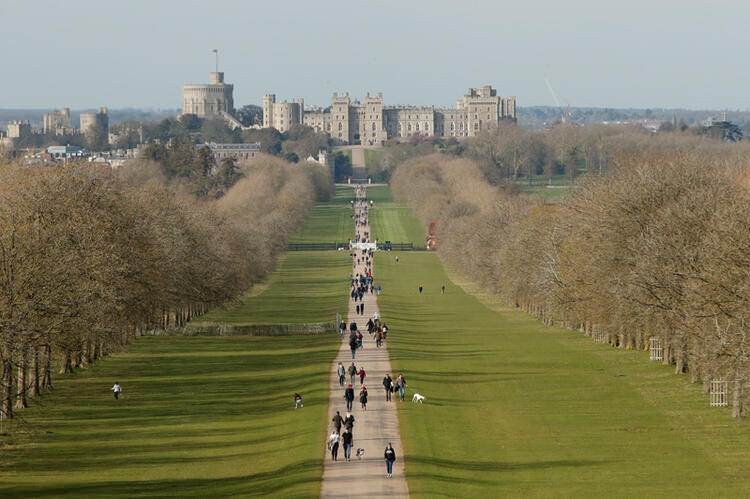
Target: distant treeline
[(513, 156), (659, 247), (537, 117)]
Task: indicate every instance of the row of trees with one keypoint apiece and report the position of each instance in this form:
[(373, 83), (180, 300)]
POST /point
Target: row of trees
[(658, 248), (508, 154), (90, 258)]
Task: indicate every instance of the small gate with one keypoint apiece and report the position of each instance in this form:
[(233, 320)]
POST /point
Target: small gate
[(718, 393), (656, 352)]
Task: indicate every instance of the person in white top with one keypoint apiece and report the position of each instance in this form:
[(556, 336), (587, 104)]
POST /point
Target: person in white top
[(333, 444), (116, 390)]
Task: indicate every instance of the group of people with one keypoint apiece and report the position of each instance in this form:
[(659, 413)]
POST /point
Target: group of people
[(337, 438), (361, 283)]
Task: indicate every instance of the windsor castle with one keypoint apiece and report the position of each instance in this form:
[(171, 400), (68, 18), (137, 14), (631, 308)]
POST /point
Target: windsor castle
[(366, 122)]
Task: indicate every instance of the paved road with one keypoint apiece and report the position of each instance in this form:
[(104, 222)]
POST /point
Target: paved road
[(374, 428)]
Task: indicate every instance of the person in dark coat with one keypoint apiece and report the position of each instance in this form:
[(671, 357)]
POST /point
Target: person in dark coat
[(363, 397), (348, 439), (337, 421), (353, 372), (353, 344), (349, 422), (349, 397), (390, 458), (388, 385)]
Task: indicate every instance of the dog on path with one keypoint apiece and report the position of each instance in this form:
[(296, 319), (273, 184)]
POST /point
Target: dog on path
[(360, 453), (418, 398)]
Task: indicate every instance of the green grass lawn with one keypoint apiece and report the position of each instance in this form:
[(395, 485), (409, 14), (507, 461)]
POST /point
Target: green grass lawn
[(379, 194), (199, 417), (373, 157), (329, 222), (393, 221), (308, 286), (550, 194), (518, 409)]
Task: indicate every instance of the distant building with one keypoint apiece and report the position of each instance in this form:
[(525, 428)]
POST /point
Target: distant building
[(205, 100), (59, 153), (371, 122), (57, 122), (93, 124), (18, 129), (236, 151), (282, 115)]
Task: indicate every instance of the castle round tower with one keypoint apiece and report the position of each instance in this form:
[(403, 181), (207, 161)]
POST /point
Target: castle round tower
[(208, 99)]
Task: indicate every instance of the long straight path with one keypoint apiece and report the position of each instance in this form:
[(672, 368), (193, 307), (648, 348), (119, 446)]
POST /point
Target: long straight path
[(373, 428)]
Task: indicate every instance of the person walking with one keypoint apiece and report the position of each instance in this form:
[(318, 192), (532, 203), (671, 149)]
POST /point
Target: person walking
[(337, 421), (352, 372), (116, 390), (362, 375), (379, 338), (333, 444), (420, 289), (348, 440), (342, 328), (353, 345), (349, 422), (362, 309), (388, 385), (390, 458), (349, 397), (442, 289), (342, 374), (401, 386), (363, 397)]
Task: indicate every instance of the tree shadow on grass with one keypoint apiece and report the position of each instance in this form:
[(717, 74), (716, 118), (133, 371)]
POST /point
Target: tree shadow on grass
[(277, 481), (469, 465)]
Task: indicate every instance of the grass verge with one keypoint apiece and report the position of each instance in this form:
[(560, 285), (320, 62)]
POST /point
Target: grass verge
[(518, 409)]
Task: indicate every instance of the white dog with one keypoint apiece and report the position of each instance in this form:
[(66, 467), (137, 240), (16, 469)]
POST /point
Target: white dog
[(418, 398), (360, 453)]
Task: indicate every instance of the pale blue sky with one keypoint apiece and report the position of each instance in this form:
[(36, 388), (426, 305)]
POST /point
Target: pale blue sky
[(137, 53)]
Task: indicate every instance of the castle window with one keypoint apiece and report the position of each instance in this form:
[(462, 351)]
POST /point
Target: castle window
[(340, 128), (416, 126), (409, 127), (373, 127), (426, 127)]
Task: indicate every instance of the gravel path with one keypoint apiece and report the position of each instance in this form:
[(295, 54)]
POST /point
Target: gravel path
[(373, 428)]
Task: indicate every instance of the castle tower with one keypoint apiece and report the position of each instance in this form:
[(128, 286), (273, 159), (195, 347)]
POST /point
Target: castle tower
[(268, 101), (208, 99)]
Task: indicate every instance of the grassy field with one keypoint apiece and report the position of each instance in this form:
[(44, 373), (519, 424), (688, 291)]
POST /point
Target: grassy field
[(518, 409), (199, 416), (373, 156), (393, 221), (329, 222), (308, 286), (555, 193)]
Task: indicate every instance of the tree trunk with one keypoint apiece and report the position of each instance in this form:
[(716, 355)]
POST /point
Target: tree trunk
[(67, 366), (47, 376), (22, 400), (6, 406), (737, 393), (35, 382)]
